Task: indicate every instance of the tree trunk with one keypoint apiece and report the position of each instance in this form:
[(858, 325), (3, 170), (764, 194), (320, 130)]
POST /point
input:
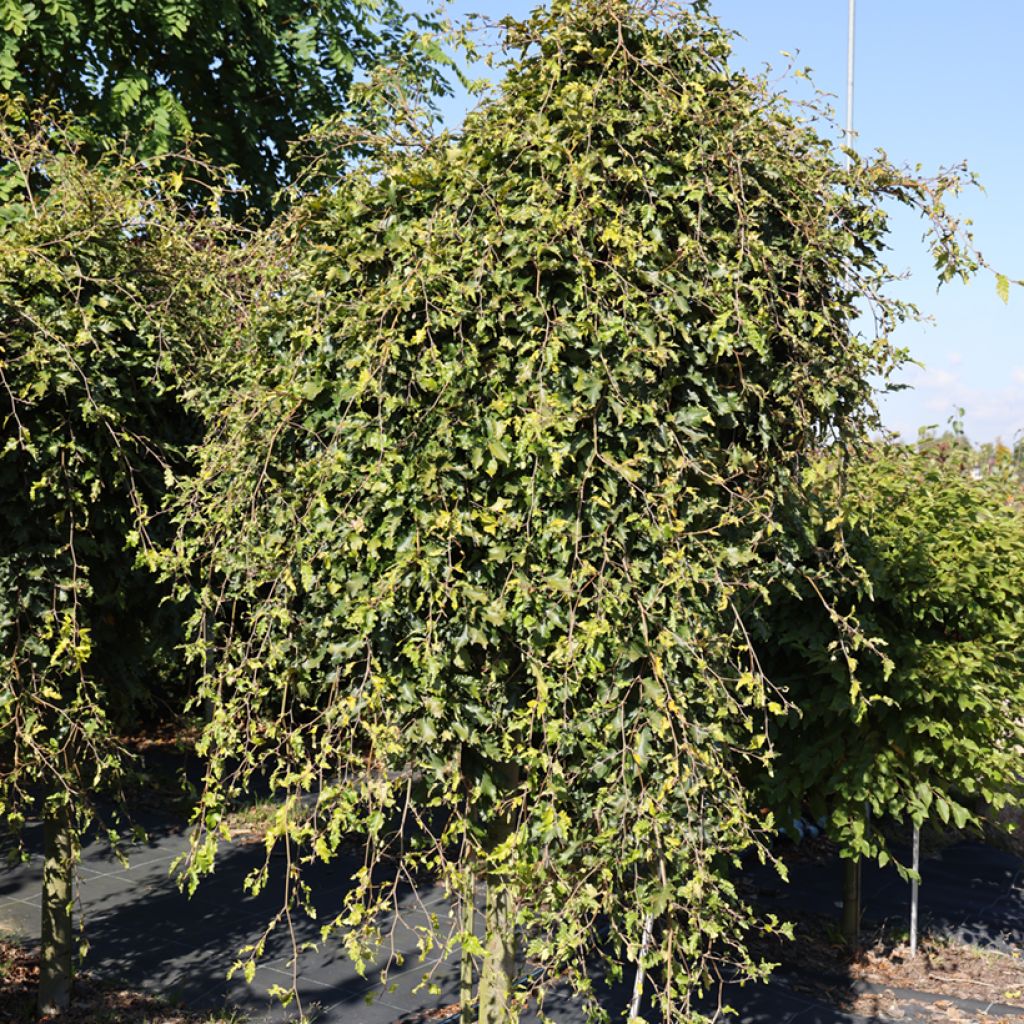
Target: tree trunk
[(57, 941), (851, 902), (498, 972), (467, 1009)]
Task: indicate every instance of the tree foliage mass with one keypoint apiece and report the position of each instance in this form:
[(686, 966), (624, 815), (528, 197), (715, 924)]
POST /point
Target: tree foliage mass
[(249, 77), (513, 473), (928, 554), (107, 292), (501, 475)]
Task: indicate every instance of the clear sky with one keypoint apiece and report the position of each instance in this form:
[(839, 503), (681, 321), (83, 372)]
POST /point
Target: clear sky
[(937, 82)]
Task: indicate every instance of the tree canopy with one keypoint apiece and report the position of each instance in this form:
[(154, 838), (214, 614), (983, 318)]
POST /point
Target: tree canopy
[(933, 579), (515, 478), (250, 77), (106, 295), (505, 455)]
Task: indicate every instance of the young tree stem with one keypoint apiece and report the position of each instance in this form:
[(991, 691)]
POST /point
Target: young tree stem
[(56, 946), (851, 902)]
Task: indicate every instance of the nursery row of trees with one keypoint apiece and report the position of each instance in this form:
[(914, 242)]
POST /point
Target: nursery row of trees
[(503, 497)]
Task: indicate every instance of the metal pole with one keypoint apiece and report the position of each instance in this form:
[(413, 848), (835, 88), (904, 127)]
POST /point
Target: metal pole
[(641, 970), (914, 890), (645, 945), (851, 32)]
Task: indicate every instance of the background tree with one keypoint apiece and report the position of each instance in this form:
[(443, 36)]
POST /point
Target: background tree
[(932, 551), (95, 428), (507, 450), (250, 77), (105, 291)]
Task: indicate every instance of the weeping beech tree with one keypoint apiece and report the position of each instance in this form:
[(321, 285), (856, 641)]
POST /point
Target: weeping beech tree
[(105, 283), (502, 452)]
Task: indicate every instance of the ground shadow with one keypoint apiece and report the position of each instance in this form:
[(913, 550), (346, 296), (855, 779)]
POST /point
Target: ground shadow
[(144, 931)]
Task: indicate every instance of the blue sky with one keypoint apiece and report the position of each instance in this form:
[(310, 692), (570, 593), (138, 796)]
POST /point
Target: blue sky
[(936, 82)]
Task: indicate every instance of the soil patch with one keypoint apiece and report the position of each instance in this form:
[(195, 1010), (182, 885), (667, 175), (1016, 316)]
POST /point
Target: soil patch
[(883, 980)]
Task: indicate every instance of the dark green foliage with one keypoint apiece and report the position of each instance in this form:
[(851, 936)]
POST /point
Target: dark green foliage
[(102, 292), (933, 551), (249, 77)]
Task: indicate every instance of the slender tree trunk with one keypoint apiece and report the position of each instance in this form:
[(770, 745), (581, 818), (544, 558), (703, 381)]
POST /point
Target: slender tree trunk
[(641, 970), (915, 890), (498, 970), (851, 902), (498, 973), (57, 942), (467, 1009)]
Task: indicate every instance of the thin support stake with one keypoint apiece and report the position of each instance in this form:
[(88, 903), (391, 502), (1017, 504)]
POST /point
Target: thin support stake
[(646, 938), (914, 886), (641, 971), (851, 902)]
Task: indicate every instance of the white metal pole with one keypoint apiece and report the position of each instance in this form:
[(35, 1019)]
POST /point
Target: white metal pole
[(641, 970), (914, 890), (850, 35), (645, 945)]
